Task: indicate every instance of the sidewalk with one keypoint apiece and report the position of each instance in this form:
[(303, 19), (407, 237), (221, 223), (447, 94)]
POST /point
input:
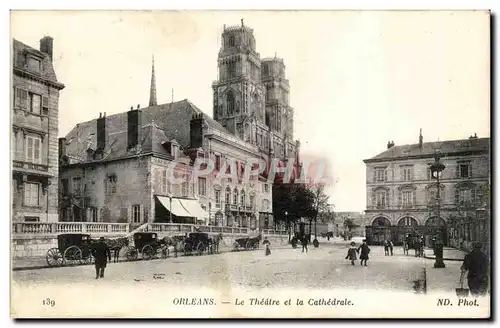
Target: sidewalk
[(443, 279), (449, 254)]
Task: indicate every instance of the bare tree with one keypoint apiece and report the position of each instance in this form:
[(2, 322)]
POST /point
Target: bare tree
[(320, 204)]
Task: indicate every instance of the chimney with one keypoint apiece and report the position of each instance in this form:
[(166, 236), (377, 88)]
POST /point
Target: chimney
[(196, 130), (101, 133), (47, 45), (62, 147), (134, 118), (420, 139), (390, 144)]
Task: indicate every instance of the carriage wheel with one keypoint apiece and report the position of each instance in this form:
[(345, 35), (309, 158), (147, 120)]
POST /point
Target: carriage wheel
[(147, 252), (200, 248), (73, 255), (54, 257), (164, 252), (248, 245), (187, 249), (88, 260), (131, 253)]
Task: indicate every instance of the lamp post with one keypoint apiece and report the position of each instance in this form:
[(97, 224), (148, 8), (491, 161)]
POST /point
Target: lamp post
[(170, 198), (436, 168)]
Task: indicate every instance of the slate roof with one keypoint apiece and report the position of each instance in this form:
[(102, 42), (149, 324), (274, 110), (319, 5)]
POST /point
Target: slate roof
[(47, 70), (428, 149), (171, 122)]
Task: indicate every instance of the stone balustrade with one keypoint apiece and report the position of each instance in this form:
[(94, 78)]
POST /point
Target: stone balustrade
[(40, 228)]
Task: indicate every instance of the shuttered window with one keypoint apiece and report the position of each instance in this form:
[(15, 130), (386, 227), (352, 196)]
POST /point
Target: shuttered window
[(21, 98), (31, 194)]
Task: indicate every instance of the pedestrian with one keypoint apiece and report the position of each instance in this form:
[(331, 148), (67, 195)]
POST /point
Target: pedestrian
[(476, 262), (304, 244), (351, 253), (101, 255), (365, 250), (268, 246), (391, 247), (386, 247)]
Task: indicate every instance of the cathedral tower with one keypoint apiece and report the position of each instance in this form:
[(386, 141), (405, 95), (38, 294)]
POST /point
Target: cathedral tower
[(239, 96)]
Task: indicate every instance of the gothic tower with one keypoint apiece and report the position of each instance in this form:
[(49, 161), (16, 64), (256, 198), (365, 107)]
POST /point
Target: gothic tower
[(239, 96)]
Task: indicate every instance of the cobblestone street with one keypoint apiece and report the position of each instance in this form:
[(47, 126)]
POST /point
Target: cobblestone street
[(324, 267)]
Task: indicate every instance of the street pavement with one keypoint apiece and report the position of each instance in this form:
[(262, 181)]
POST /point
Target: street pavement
[(323, 267)]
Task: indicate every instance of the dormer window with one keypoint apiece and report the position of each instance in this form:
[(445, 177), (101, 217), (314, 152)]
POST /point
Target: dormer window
[(175, 151), (34, 64)]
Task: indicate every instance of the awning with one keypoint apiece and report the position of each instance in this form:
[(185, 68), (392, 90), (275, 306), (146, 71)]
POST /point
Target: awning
[(177, 208), (194, 208)]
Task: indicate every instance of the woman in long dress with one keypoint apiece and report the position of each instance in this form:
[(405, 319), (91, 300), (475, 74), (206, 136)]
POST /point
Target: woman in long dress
[(268, 244)]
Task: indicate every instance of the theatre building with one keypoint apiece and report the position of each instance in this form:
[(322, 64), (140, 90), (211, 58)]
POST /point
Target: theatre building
[(402, 196)]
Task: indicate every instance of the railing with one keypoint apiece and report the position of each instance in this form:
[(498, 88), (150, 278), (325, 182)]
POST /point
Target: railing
[(38, 228), (30, 166), (68, 227)]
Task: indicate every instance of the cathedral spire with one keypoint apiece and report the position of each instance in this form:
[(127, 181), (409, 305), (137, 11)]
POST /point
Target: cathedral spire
[(152, 91)]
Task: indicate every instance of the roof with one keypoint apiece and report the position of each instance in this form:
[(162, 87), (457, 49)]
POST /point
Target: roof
[(161, 123), (47, 69), (428, 149)]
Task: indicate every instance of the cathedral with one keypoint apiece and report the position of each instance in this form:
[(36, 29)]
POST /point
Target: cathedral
[(251, 95)]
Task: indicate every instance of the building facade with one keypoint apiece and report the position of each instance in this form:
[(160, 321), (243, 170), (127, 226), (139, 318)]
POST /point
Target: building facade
[(402, 195), (116, 168), (35, 102)]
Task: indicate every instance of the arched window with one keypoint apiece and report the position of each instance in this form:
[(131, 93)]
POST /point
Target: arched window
[(242, 201), (231, 41), (265, 69), (230, 103), (407, 221), (235, 196), (228, 195)]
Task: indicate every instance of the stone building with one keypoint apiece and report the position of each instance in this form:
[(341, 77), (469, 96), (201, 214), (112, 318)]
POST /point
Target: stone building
[(402, 197), (115, 168), (35, 110), (251, 95)]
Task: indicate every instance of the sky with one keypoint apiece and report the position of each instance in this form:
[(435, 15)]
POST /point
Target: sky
[(357, 78)]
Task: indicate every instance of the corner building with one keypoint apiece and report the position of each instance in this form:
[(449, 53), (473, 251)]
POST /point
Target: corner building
[(34, 113), (402, 198)]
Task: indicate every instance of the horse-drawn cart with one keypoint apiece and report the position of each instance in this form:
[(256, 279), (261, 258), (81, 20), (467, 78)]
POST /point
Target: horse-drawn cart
[(72, 249), (247, 243), (149, 246), (197, 242)]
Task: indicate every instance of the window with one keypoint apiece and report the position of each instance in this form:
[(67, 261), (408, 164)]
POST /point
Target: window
[(45, 105), (380, 174), (217, 162), (266, 70), (31, 219), (464, 170), (64, 186), (136, 213), (33, 149), (228, 195), (31, 194), (381, 199), (235, 197), (266, 187), (93, 214), (202, 186), (164, 181), (231, 41), (242, 198), (36, 103), (184, 188), (466, 197), (251, 200), (217, 197), (112, 184), (175, 151), (231, 69), (34, 64), (77, 185), (407, 198), (21, 98), (406, 173), (230, 103)]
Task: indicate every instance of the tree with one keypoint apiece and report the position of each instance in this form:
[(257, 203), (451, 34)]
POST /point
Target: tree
[(290, 203), (319, 204)]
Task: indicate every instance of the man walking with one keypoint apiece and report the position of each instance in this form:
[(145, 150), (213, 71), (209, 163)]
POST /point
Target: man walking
[(101, 255), (476, 262), (304, 244), (391, 247), (365, 250)]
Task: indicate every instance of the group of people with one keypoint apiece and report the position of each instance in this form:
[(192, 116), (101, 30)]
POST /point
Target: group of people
[(388, 246), (363, 251)]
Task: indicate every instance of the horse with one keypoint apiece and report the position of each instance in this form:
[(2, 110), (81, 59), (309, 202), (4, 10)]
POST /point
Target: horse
[(115, 245), (214, 242)]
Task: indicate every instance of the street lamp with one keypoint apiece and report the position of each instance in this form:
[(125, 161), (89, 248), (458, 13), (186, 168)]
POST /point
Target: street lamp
[(436, 168), (170, 198)]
